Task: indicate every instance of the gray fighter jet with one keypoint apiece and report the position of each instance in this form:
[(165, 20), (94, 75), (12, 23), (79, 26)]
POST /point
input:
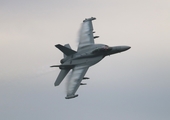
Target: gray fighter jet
[(87, 54)]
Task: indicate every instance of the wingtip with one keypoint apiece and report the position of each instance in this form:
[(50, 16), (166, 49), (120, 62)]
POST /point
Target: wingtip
[(71, 96), (89, 19)]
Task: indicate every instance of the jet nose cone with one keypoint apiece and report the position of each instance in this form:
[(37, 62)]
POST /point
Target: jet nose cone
[(118, 49), (126, 48)]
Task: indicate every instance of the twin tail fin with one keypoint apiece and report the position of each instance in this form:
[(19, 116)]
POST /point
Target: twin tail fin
[(66, 49)]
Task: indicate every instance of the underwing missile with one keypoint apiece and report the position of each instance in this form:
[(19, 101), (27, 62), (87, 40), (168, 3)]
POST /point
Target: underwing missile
[(85, 78), (83, 84)]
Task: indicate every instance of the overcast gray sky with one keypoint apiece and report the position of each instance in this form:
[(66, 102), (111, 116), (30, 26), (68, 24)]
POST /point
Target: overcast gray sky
[(133, 85)]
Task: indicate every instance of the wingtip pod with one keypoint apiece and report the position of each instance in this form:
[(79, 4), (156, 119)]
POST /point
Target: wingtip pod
[(71, 96), (89, 19)]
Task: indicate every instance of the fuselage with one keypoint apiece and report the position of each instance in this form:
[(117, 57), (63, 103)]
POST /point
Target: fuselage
[(87, 54), (92, 54)]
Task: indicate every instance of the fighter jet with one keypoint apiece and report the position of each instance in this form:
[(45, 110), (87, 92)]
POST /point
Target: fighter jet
[(87, 54)]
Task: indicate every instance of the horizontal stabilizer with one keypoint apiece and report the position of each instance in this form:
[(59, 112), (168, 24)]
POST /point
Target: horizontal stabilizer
[(61, 76), (55, 66), (71, 96), (68, 46), (63, 66), (67, 51)]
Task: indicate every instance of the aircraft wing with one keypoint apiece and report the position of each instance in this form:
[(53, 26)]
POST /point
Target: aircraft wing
[(76, 77), (86, 33)]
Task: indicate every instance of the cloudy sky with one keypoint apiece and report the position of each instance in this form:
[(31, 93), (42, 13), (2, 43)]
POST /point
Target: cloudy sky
[(133, 85)]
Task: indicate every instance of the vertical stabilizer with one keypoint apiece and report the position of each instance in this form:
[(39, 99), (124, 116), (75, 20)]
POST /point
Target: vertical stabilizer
[(67, 51), (68, 46)]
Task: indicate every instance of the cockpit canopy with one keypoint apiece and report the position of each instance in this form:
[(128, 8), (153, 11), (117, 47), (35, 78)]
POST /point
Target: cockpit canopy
[(102, 49)]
